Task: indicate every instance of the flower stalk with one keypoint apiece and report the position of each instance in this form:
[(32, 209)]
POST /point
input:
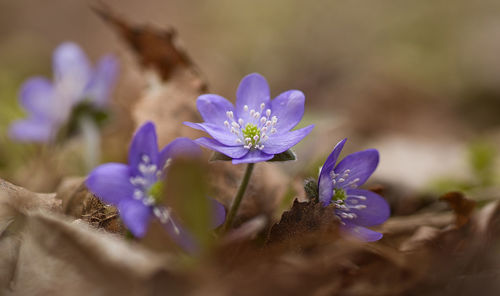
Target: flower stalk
[(239, 197)]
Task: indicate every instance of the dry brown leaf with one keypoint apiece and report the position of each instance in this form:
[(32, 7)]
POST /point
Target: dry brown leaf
[(462, 207)]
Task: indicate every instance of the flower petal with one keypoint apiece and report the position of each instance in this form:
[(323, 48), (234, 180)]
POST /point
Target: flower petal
[(110, 182), (102, 81), (32, 130), (253, 156), (376, 209), (181, 236), (178, 147), (252, 91), (213, 108), (288, 107), (144, 143), (324, 181), (231, 151), (218, 212), (218, 132), (361, 233), (361, 164), (72, 71), (136, 216), (282, 142), (37, 96)]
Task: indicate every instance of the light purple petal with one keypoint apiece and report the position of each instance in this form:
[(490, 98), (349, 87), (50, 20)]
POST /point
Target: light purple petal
[(288, 107), (361, 232), (217, 131), (38, 97), (361, 164), (72, 71), (181, 236), (179, 147), (324, 181), (282, 142), (218, 212), (253, 156), (213, 108), (136, 216), (252, 91), (102, 81), (231, 151), (375, 209), (110, 182), (143, 144), (32, 130)]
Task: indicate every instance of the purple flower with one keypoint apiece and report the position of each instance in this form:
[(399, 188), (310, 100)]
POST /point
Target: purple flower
[(338, 185), (136, 189), (50, 104), (257, 128)]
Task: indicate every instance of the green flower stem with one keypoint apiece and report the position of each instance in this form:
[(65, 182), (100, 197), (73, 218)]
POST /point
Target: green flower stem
[(92, 139), (238, 197)]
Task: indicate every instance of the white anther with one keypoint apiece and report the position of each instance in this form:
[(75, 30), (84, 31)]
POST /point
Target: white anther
[(268, 123), (264, 129), (264, 137), (226, 123), (247, 146), (334, 182), (273, 130), (252, 112), (245, 108), (256, 137), (261, 147), (361, 197), (230, 114), (274, 119), (263, 120), (256, 115), (235, 124), (248, 139), (239, 141), (268, 112), (233, 131), (145, 158), (138, 194), (341, 180), (262, 106), (143, 168), (240, 121)]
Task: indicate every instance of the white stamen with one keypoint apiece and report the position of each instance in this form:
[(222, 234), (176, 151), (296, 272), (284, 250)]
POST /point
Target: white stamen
[(240, 121), (245, 108), (235, 124), (262, 106), (263, 120), (226, 123), (268, 112), (252, 112), (230, 114)]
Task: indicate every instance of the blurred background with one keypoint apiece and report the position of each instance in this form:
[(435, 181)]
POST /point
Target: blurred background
[(420, 81)]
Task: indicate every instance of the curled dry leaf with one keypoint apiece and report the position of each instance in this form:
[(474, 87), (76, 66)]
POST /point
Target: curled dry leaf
[(462, 207), (302, 220), (80, 203)]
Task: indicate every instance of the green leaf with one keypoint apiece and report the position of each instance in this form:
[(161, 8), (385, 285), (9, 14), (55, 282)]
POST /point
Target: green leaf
[(311, 189), (284, 156)]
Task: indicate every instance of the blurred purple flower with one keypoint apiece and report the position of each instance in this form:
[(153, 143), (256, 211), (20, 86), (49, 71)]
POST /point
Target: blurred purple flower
[(50, 104), (257, 128), (135, 189), (338, 185)]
